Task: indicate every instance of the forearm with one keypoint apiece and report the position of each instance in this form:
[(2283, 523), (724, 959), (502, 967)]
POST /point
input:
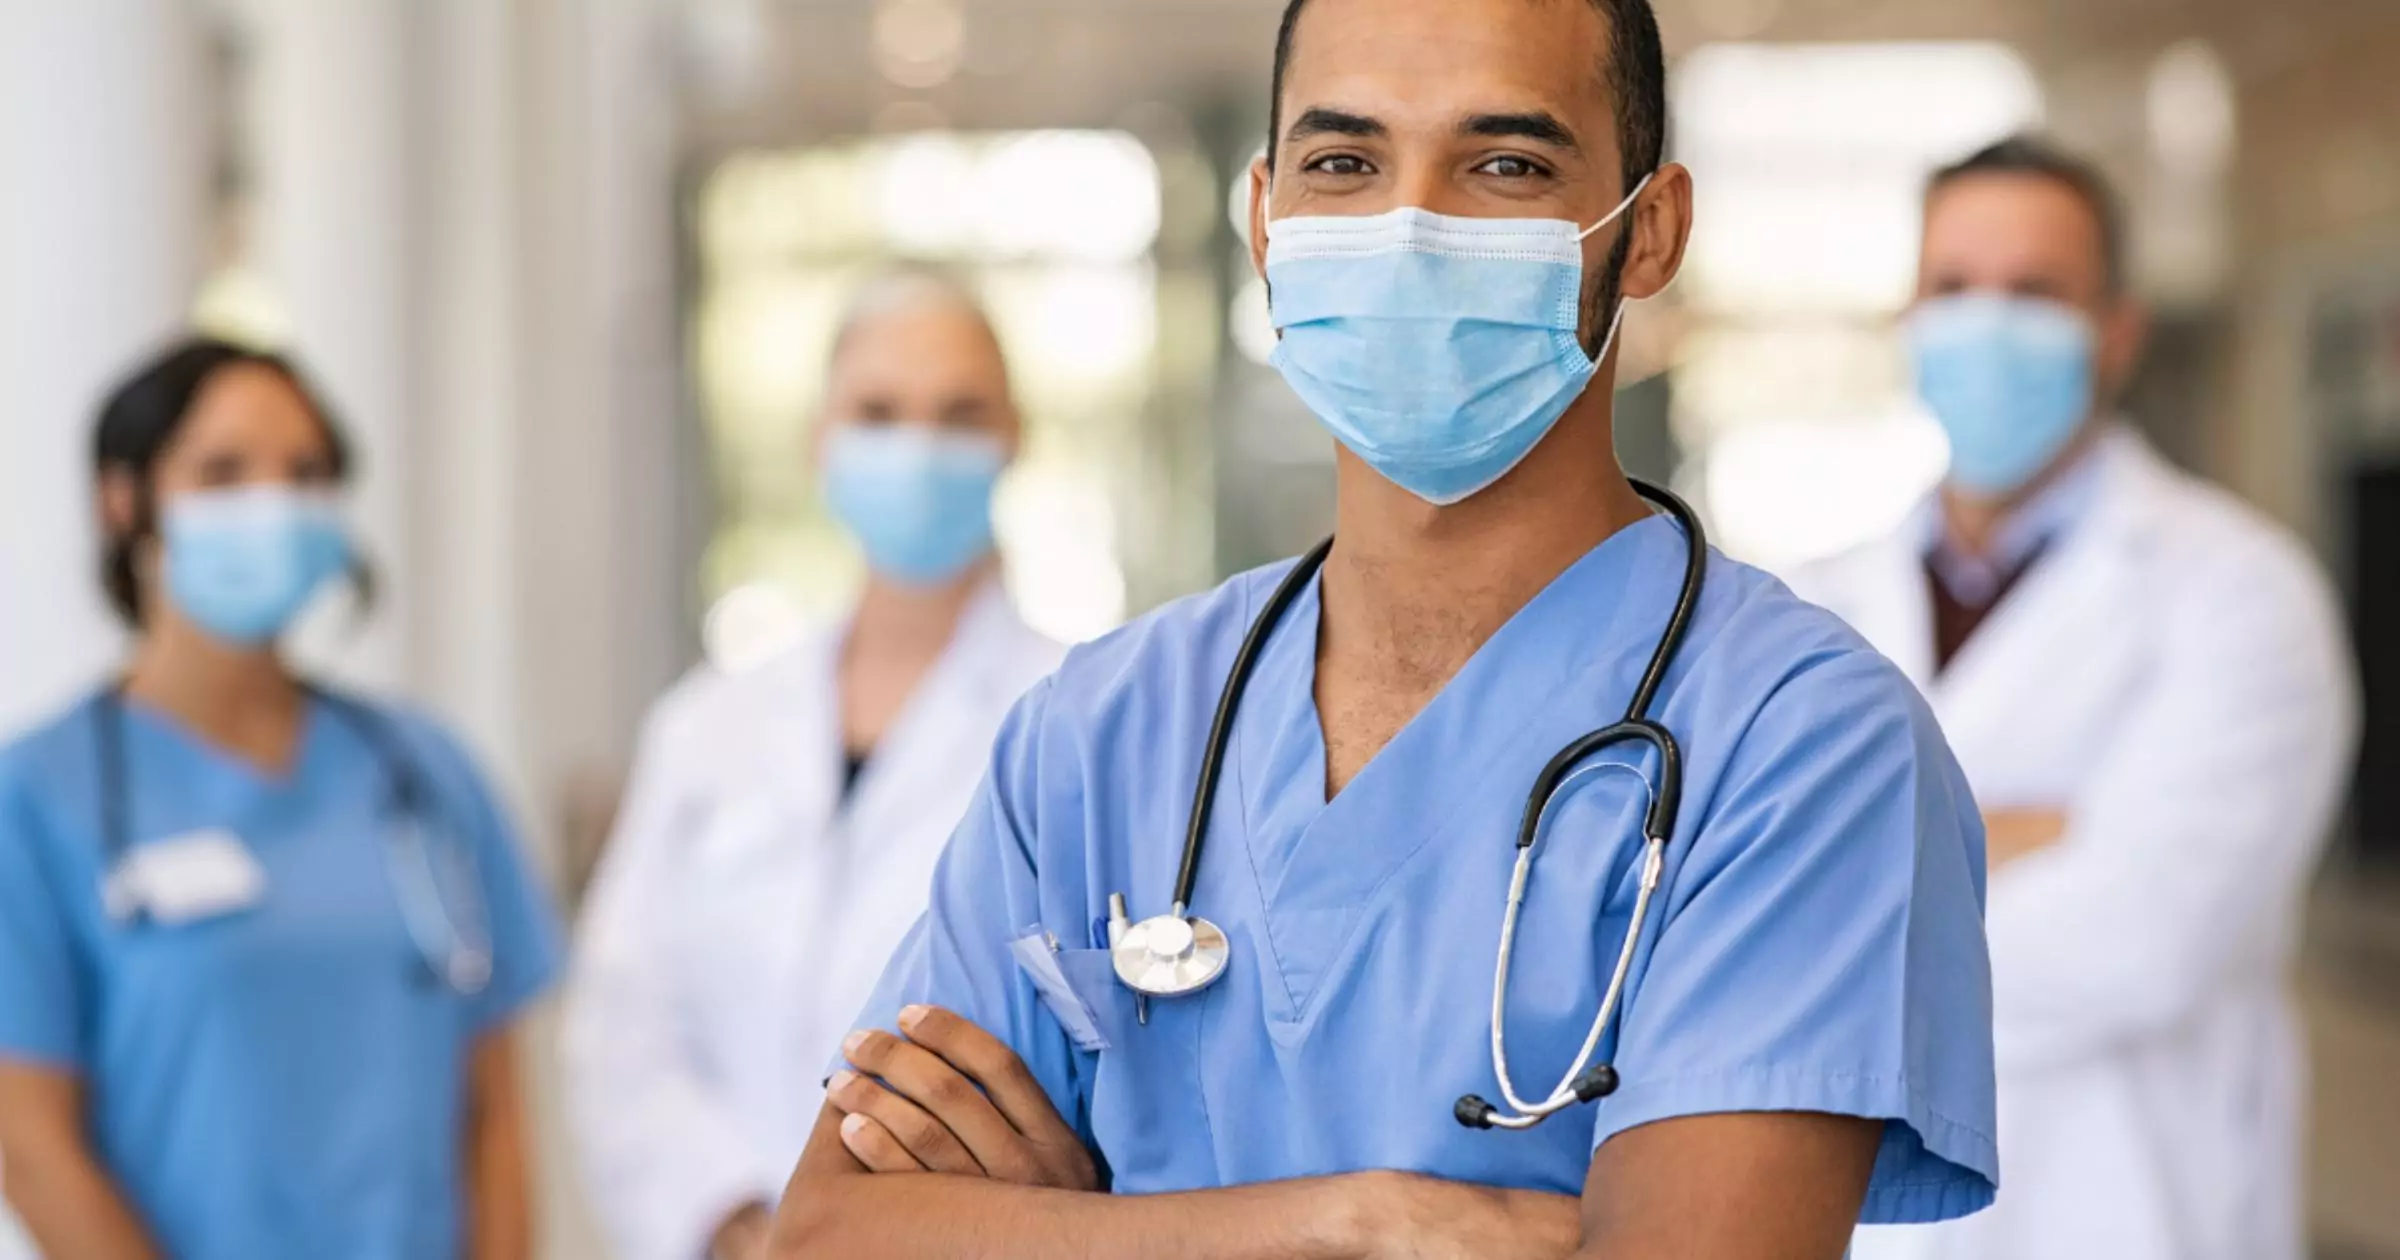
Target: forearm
[(929, 1216), (54, 1179), (499, 1214), (499, 1210), (74, 1211)]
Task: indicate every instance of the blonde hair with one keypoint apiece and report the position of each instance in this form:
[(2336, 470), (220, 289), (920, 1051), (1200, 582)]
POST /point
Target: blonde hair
[(909, 288)]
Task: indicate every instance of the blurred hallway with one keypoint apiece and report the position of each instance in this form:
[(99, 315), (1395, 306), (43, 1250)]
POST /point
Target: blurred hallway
[(570, 266), (2351, 996)]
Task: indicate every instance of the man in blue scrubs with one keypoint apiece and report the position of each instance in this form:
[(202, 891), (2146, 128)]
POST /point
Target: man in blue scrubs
[(1460, 196)]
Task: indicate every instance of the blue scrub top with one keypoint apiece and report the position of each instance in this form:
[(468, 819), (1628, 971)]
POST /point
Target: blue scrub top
[(283, 1081), (1818, 944)]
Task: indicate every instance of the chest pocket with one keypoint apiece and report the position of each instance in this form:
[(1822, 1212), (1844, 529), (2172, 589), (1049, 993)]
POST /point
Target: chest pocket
[(1141, 1097)]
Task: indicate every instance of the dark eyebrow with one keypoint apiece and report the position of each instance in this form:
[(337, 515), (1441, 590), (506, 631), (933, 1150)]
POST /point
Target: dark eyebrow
[(1538, 127), (1332, 122)]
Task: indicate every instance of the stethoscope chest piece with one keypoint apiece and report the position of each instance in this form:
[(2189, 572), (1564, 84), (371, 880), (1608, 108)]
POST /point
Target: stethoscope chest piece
[(1169, 955)]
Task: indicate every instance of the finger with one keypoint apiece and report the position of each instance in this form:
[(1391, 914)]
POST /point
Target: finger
[(924, 1078), (926, 1139), (874, 1146), (989, 1062)]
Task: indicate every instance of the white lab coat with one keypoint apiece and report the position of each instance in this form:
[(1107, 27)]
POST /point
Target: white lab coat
[(743, 914), (2174, 676)]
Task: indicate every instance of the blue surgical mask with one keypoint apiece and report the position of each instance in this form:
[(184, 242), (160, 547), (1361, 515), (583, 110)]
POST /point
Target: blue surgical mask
[(2009, 378), (918, 500), (241, 563), (1440, 350)]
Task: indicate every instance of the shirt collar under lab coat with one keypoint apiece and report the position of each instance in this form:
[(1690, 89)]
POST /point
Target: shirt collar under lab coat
[(2053, 512)]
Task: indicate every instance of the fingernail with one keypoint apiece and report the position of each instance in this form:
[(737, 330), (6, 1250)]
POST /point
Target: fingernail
[(851, 1124), (851, 1043), (840, 1080), (911, 1016)]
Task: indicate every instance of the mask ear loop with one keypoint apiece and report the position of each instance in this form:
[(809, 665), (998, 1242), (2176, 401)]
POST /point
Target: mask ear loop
[(1617, 320), (1622, 206)]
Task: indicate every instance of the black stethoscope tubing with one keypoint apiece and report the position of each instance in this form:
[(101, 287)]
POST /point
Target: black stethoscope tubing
[(1635, 727)]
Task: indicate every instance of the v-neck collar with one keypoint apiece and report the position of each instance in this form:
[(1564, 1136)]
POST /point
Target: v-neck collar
[(161, 726), (1317, 866)]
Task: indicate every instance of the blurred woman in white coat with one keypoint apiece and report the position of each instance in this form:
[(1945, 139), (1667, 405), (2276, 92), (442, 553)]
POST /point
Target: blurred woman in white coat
[(2149, 689), (782, 825)]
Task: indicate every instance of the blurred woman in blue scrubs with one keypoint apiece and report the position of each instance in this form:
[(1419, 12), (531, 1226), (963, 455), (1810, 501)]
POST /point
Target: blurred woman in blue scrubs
[(262, 946)]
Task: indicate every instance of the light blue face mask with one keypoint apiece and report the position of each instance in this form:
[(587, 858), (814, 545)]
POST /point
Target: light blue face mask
[(919, 501), (242, 563), (1440, 350), (2009, 378)]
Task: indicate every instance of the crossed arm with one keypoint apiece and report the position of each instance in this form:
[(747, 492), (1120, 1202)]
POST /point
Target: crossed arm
[(985, 1168)]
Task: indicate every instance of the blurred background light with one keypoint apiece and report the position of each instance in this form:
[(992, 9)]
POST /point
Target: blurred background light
[(1811, 156), (2190, 110), (749, 626), (919, 43)]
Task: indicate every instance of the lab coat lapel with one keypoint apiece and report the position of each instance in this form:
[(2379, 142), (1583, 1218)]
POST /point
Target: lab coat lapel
[(933, 733), (1888, 603), (780, 754), (1453, 776), (2057, 651)]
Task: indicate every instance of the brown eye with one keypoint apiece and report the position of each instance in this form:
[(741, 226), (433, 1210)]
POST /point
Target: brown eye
[(223, 469), (1511, 167), (1340, 164)]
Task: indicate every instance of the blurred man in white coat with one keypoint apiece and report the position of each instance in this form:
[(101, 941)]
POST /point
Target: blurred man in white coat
[(781, 830), (2150, 691)]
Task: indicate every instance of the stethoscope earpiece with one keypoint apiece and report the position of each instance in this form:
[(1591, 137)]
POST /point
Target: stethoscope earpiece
[(1596, 1084)]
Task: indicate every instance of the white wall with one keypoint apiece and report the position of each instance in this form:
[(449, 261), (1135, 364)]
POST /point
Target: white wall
[(100, 191)]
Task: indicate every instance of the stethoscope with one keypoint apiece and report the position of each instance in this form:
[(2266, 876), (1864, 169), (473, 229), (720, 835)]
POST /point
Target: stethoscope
[(1176, 954), (456, 947)]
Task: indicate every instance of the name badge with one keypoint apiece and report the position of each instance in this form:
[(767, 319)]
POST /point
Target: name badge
[(185, 879), (1037, 957)]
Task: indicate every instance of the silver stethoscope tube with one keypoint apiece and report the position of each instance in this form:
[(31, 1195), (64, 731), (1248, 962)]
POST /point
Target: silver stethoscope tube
[(461, 953), (1564, 1095)]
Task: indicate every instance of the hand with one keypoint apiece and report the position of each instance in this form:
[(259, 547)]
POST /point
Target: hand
[(2012, 834), (913, 1106), (1409, 1217), (743, 1236)]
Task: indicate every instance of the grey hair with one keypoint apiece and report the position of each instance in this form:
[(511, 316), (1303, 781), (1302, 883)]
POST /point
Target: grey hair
[(909, 288)]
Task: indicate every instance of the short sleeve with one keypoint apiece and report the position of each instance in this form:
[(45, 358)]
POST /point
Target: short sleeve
[(44, 998), (519, 912), (1823, 949), (984, 895)]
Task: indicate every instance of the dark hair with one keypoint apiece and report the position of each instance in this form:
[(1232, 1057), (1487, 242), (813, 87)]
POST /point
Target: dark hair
[(139, 421), (1636, 72), (2042, 159)]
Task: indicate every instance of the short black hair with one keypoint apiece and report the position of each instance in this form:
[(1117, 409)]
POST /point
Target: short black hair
[(1637, 76), (139, 421), (2044, 159)]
